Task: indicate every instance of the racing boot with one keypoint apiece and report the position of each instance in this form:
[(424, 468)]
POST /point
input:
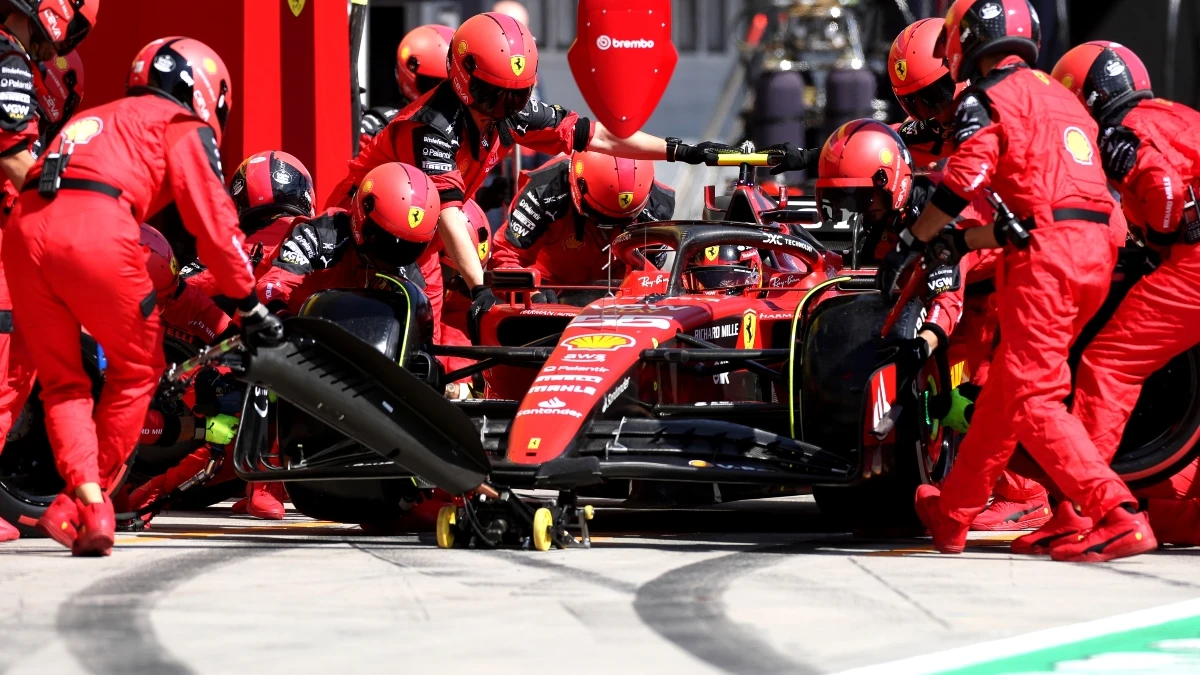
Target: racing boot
[(1018, 503), (60, 521), (1066, 523), (1175, 521), (1123, 532), (949, 535), (97, 529), (265, 501), (8, 532)]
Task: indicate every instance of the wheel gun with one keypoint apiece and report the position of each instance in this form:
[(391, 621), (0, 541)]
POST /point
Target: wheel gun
[(1008, 227)]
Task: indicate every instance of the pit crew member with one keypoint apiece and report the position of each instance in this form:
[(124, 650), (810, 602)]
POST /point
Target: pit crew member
[(74, 237), (1048, 174), (458, 300), (32, 31), (458, 131), (1150, 150), (568, 211)]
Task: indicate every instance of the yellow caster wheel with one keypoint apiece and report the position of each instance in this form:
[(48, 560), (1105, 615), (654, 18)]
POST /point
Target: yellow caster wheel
[(447, 518), (589, 512), (543, 520)]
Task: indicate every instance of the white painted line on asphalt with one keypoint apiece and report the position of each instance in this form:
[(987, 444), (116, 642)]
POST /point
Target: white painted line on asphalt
[(970, 655)]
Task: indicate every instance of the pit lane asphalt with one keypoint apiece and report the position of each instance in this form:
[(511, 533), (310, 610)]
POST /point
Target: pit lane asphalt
[(754, 587)]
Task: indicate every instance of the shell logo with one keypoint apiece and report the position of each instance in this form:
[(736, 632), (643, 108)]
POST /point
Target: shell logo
[(404, 52), (62, 63), (901, 69), (624, 199), (84, 130), (886, 156), (1068, 81), (572, 243), (368, 185), (1077, 143), (416, 214), (579, 168), (599, 342), (210, 66), (462, 47)]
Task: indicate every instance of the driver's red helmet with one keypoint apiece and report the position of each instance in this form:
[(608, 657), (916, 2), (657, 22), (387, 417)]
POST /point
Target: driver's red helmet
[(860, 157), (63, 24), (976, 28), (493, 64), (610, 190), (1104, 75), (921, 81), (478, 230), (728, 267), (421, 59), (61, 89), (160, 262), (188, 72), (394, 214)]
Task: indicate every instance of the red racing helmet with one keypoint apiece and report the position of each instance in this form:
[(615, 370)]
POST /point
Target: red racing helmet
[(160, 262), (61, 88), (59, 24), (188, 72), (727, 268), (863, 156), (493, 64), (921, 81), (480, 232), (1104, 75), (271, 184), (610, 190), (394, 215), (976, 28), (421, 59)]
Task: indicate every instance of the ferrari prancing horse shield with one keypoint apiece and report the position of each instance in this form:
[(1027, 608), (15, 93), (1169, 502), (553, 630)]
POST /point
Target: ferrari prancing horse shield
[(297, 6), (624, 199), (415, 216)]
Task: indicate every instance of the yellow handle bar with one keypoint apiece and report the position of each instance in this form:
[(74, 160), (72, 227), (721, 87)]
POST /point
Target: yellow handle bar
[(753, 159)]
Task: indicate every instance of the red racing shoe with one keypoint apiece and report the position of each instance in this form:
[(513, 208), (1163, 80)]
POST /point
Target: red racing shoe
[(1065, 523), (97, 529), (60, 521), (1003, 515), (949, 535), (263, 500), (1119, 534), (8, 532)]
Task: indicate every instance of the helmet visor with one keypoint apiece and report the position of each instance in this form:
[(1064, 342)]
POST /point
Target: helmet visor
[(387, 251), (498, 102), (930, 101), (77, 30), (837, 203), (716, 277)]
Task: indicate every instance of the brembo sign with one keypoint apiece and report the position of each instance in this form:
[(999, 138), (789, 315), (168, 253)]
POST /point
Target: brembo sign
[(604, 43)]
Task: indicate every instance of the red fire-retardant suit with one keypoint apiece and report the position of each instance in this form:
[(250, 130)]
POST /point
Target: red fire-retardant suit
[(83, 245), (437, 134), (547, 233), (1160, 317), (1031, 141)]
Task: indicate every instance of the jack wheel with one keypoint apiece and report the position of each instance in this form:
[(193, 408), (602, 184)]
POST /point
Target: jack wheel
[(447, 518), (589, 512), (543, 520)]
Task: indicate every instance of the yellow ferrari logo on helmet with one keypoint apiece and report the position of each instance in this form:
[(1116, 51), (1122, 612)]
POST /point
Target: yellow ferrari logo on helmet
[(404, 52), (483, 250), (415, 216), (518, 65), (624, 199), (1078, 145), (174, 265), (901, 69), (886, 156), (368, 185), (711, 253)]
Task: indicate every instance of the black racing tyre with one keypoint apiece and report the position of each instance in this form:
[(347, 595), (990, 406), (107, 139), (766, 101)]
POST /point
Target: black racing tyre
[(353, 501), (1162, 434), (883, 502)]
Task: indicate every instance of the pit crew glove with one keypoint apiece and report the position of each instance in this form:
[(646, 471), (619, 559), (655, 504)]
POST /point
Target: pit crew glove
[(1118, 151), (793, 158), (902, 256), (546, 296), (948, 248), (910, 356), (220, 429), (701, 153), (962, 408), (260, 327), (482, 299)]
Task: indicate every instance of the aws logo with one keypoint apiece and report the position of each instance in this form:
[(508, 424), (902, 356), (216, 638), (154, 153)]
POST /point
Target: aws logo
[(599, 342)]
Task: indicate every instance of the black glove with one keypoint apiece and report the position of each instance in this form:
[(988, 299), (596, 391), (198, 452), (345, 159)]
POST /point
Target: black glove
[(948, 248), (496, 194), (260, 328), (793, 158), (910, 356), (902, 256), (701, 153), (546, 296), (1118, 151), (482, 299)]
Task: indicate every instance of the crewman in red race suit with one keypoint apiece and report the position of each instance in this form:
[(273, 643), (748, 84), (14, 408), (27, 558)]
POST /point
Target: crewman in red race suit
[(389, 226), (32, 31), (458, 298), (458, 131), (74, 237), (568, 212), (926, 91), (1027, 137), (1150, 150)]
